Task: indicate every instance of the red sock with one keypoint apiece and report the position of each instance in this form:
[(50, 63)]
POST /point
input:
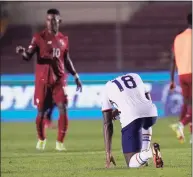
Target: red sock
[(190, 127), (40, 128), (188, 118), (62, 127), (183, 111)]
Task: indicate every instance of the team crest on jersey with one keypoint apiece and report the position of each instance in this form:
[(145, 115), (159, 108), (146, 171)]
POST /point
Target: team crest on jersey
[(62, 43), (49, 42)]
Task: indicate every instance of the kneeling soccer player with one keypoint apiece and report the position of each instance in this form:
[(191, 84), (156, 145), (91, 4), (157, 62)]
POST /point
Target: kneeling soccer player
[(137, 113)]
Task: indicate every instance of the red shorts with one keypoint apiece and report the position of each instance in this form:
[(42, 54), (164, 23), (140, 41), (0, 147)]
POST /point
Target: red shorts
[(45, 95), (186, 85)]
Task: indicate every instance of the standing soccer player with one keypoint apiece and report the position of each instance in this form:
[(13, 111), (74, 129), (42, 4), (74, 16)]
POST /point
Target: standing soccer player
[(137, 113), (52, 49), (183, 60)]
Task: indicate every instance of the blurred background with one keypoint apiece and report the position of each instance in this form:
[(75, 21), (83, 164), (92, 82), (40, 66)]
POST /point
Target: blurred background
[(106, 39)]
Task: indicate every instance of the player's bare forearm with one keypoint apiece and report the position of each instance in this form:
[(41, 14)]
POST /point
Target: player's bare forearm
[(108, 130), (70, 68), (26, 55), (173, 68), (69, 65)]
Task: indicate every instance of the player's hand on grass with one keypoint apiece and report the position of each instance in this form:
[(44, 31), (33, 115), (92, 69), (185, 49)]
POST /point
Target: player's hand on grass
[(172, 86), (20, 50), (109, 159), (78, 84)]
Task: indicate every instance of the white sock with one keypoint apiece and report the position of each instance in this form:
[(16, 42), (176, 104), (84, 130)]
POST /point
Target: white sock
[(181, 125), (140, 159), (146, 138)]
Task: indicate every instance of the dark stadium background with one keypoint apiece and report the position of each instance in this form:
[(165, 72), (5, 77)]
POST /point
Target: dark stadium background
[(106, 38)]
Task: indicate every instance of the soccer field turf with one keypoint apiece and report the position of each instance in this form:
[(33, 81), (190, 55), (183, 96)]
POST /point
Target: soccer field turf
[(85, 155)]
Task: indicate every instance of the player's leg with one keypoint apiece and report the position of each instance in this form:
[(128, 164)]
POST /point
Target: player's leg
[(60, 98), (39, 98), (184, 89), (132, 144), (188, 100), (183, 110), (49, 113), (146, 138), (147, 132), (146, 141), (190, 132), (188, 116), (179, 127), (62, 126), (189, 112), (186, 85), (48, 117), (40, 130)]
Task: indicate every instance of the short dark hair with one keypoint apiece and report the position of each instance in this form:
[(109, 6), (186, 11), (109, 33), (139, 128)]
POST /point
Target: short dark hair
[(53, 11), (189, 18)]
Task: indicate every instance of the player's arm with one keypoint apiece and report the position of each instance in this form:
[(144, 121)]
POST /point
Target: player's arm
[(108, 134), (172, 70), (115, 113), (68, 64), (71, 69), (27, 54), (107, 128)]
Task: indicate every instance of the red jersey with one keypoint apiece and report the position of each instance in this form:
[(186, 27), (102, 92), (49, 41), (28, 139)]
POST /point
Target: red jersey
[(50, 50)]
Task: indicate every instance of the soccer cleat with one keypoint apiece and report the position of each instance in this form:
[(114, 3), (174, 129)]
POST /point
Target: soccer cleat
[(41, 144), (157, 156), (60, 146), (178, 129)]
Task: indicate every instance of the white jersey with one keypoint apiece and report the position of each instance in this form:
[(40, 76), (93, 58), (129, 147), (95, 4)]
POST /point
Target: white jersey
[(127, 94)]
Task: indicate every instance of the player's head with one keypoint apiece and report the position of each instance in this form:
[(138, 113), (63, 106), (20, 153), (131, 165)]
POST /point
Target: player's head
[(189, 19), (53, 20)]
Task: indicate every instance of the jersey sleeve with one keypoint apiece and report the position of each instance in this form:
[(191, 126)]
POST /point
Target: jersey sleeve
[(147, 92), (146, 89), (33, 45), (105, 102)]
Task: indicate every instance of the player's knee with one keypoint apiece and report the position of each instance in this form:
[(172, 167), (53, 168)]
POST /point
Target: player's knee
[(40, 113), (149, 122), (62, 108)]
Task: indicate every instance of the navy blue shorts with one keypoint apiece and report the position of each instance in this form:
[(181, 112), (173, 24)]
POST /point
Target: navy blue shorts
[(132, 135)]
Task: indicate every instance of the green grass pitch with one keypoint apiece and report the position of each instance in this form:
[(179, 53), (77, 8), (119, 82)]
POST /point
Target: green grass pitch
[(85, 155)]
